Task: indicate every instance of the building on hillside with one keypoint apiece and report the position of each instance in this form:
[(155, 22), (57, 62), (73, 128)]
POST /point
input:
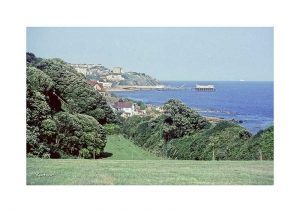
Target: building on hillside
[(127, 108), (83, 68), (159, 109), (97, 86), (105, 85), (114, 78), (140, 112), (117, 70)]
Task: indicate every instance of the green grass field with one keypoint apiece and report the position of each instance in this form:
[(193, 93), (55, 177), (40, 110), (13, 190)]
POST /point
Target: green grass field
[(131, 165), (123, 149)]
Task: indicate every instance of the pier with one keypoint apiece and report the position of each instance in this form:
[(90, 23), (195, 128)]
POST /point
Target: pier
[(205, 87)]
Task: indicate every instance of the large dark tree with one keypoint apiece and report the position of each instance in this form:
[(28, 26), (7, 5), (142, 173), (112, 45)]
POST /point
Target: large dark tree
[(64, 113), (77, 93)]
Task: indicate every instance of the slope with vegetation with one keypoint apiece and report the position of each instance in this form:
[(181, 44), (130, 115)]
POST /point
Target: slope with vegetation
[(181, 133), (65, 115), (138, 79)]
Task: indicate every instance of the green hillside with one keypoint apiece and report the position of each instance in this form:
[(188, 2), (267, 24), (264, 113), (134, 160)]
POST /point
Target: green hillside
[(123, 149)]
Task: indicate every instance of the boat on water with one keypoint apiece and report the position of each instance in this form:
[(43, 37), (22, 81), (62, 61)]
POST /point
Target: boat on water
[(205, 87)]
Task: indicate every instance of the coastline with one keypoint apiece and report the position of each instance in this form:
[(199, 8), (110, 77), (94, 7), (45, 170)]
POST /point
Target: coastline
[(136, 88), (214, 119)]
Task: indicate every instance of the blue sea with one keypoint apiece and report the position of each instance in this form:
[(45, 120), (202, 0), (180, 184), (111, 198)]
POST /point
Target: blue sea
[(250, 102)]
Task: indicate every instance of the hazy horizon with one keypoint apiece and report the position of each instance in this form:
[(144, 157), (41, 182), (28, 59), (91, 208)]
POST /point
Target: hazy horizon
[(168, 54)]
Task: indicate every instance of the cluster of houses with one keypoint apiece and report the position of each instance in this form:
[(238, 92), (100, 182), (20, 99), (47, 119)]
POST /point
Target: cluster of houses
[(100, 72), (128, 109), (101, 87)]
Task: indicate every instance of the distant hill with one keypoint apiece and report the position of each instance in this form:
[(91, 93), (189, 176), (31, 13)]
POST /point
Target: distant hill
[(134, 78), (116, 75)]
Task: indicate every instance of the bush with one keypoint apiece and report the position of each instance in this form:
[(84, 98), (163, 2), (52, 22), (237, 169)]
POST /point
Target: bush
[(154, 133), (112, 129), (79, 131), (46, 156), (181, 120), (85, 153), (260, 146), (30, 155)]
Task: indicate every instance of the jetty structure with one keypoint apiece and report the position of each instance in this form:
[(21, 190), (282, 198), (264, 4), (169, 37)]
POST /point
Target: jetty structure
[(205, 88)]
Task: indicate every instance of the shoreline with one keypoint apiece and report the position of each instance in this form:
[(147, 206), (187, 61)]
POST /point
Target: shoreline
[(136, 88), (211, 119), (252, 126)]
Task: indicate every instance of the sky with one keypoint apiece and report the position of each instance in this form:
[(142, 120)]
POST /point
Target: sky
[(183, 53)]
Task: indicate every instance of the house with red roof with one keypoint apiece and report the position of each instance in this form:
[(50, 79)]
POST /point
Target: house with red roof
[(97, 86)]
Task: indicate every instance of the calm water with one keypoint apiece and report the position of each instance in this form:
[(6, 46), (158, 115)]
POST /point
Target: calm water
[(251, 102)]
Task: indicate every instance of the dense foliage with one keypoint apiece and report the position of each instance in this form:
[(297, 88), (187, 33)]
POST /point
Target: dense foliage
[(181, 120), (222, 142), (64, 114), (260, 146), (181, 133)]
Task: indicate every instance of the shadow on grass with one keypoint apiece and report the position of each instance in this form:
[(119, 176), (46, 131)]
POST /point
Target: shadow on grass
[(105, 155)]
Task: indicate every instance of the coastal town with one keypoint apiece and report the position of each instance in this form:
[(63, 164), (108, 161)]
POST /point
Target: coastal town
[(126, 107), (106, 81)]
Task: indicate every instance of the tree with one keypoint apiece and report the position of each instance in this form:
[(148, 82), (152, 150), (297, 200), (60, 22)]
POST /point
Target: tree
[(79, 131), (32, 59), (181, 120), (77, 93), (63, 112), (261, 145)]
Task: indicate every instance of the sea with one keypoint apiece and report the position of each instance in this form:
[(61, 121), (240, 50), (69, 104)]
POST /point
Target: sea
[(251, 103)]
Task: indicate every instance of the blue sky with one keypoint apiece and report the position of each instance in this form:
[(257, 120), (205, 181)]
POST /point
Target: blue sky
[(203, 54)]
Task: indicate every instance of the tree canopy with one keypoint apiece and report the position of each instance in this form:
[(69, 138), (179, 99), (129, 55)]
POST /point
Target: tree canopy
[(181, 133), (64, 113)]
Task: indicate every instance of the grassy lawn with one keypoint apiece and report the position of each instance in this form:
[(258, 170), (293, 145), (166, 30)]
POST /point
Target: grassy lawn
[(130, 165), (147, 172), (123, 149)]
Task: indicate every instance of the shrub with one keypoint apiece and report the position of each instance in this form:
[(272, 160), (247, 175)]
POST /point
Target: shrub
[(112, 129), (85, 153), (46, 156)]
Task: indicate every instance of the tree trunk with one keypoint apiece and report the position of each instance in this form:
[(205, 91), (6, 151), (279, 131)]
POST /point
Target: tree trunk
[(260, 155), (94, 155), (213, 156)]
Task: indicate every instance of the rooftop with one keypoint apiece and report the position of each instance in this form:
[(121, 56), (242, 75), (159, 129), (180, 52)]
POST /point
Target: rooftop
[(123, 105)]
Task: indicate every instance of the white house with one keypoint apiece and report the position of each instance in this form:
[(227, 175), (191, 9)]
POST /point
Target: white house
[(126, 107)]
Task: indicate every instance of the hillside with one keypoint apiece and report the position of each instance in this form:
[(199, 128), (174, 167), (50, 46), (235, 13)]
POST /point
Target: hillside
[(116, 76), (181, 133), (140, 79)]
